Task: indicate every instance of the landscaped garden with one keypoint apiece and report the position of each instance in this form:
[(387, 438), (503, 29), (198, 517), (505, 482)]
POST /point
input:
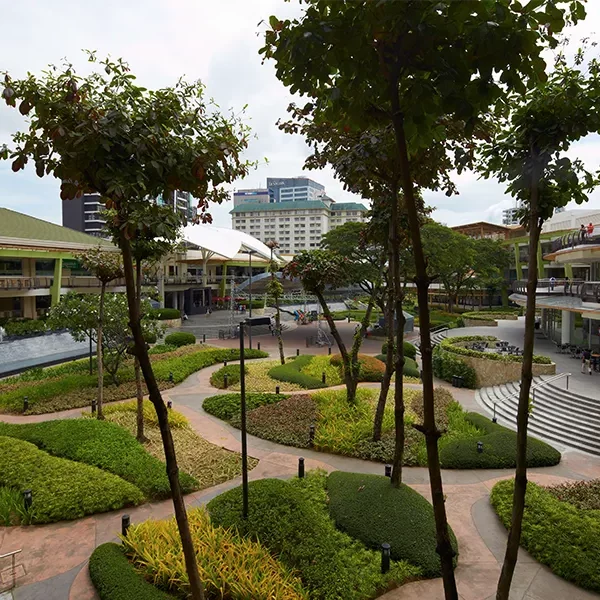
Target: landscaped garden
[(78, 467), (316, 537), (346, 429), (561, 527), (71, 386)]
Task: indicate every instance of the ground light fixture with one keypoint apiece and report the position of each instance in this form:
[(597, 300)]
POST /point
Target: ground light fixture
[(385, 557), (300, 467), (388, 470), (480, 447), (27, 499)]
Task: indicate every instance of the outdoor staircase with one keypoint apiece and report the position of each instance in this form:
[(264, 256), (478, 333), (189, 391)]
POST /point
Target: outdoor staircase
[(559, 415), (436, 338)]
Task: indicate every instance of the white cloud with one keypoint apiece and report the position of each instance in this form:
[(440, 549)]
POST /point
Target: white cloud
[(218, 43)]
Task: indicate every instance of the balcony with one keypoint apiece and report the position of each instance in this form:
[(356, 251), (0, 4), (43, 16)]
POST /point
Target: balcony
[(37, 283), (585, 291), (574, 239)]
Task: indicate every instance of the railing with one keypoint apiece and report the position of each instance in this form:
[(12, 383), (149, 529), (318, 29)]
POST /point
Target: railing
[(588, 291), (13, 570), (575, 238)]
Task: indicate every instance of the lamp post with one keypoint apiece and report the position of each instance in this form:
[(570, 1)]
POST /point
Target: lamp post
[(243, 425), (250, 253)]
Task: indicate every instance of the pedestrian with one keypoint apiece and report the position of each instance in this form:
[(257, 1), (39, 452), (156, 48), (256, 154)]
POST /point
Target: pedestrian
[(590, 229), (552, 283), (586, 361)]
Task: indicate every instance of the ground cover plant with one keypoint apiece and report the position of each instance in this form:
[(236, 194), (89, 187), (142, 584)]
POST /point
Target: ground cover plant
[(290, 518), (582, 494), (61, 489), (71, 386), (230, 565), (490, 316), (227, 406), (369, 509), (557, 533)]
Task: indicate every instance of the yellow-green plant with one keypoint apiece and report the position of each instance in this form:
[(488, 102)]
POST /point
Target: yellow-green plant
[(230, 566), (176, 419)]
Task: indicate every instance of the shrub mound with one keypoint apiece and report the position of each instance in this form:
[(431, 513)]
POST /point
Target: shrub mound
[(291, 372), (290, 519), (104, 445), (115, 578), (370, 367), (62, 489), (369, 509), (180, 338), (447, 365), (489, 316), (228, 406), (164, 314), (229, 565), (410, 350), (499, 449), (233, 372), (558, 534)]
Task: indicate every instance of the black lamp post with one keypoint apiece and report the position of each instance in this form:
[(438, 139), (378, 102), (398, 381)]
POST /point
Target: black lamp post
[(243, 425)]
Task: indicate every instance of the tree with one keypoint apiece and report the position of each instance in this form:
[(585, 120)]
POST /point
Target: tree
[(529, 154), (105, 134), (275, 290), (491, 260), (106, 266), (318, 269), (417, 66)]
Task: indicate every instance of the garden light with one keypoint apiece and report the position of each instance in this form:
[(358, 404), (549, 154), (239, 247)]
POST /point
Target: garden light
[(480, 447), (27, 499), (385, 558)]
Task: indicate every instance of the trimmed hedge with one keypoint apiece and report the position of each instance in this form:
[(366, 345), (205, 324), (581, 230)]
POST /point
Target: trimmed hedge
[(290, 518), (25, 327), (228, 406), (164, 314), (115, 578), (489, 316), (499, 449), (291, 372), (446, 365), (369, 509), (62, 489), (180, 338), (370, 367), (557, 534), (233, 372), (104, 445), (410, 350)]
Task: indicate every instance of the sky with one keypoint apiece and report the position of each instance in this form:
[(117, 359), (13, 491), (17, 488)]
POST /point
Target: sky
[(216, 41)]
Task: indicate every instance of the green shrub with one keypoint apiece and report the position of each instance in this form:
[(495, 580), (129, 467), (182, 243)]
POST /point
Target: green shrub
[(164, 314), (489, 315), (559, 535), (217, 379), (291, 372), (293, 525), (227, 406), (446, 365), (25, 327), (115, 578), (104, 445), (370, 367), (369, 509), (62, 489), (411, 369), (150, 337), (323, 364), (12, 508), (499, 448), (180, 338), (410, 350)]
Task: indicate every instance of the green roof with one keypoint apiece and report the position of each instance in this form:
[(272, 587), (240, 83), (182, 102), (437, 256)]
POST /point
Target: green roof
[(17, 225), (302, 205)]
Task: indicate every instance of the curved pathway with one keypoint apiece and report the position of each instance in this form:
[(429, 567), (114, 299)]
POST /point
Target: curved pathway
[(53, 564)]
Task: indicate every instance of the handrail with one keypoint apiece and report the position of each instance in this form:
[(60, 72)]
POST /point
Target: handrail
[(533, 388), (14, 574), (578, 237)]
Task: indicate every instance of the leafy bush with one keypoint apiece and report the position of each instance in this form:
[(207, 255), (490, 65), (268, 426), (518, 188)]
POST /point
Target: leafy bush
[(447, 365), (161, 349), (410, 350), (164, 314), (370, 368), (291, 372), (227, 406), (180, 338), (323, 364), (294, 525), (411, 369), (115, 578), (499, 448), (489, 315), (229, 565), (150, 337), (62, 489), (176, 419), (25, 327), (104, 445), (369, 509), (233, 372), (12, 508), (285, 422), (582, 494), (556, 533)]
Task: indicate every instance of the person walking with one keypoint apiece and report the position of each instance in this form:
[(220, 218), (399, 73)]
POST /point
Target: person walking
[(586, 361), (590, 229)]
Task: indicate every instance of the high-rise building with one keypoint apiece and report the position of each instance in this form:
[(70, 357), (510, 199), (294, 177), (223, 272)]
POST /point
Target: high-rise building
[(253, 196), (85, 213), (294, 189)]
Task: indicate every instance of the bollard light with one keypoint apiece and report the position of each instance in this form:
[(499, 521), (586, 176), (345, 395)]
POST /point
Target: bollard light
[(297, 351), (203, 337), (311, 436), (25, 404), (258, 346), (329, 350), (224, 363), (169, 404), (388, 470), (494, 420), (348, 318), (27, 499), (171, 379), (225, 381), (301, 467), (125, 523), (385, 558), (323, 377), (277, 390), (94, 406), (480, 447)]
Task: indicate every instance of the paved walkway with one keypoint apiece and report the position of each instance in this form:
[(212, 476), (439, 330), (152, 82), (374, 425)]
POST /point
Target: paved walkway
[(54, 558)]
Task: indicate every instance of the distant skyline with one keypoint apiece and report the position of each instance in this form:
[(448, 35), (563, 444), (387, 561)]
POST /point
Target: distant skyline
[(217, 43)]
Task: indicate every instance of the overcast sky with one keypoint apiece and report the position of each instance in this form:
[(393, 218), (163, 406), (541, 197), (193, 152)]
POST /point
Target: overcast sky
[(215, 41)]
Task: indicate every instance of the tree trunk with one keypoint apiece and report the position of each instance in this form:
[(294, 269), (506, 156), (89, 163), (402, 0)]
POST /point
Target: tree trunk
[(99, 413), (389, 363), (196, 587), (444, 546), (394, 241), (514, 535), (138, 373)]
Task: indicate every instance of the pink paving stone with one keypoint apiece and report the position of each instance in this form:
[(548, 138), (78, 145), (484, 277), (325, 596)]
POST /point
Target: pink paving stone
[(83, 588)]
